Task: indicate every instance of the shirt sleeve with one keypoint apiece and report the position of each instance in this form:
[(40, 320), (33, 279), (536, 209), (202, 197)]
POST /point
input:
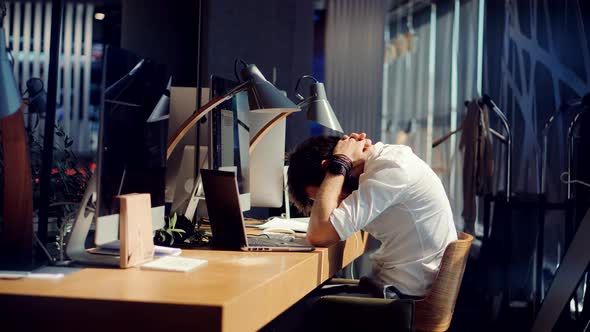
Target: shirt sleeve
[(375, 194)]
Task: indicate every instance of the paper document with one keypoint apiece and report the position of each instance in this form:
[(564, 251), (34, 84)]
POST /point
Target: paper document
[(13, 275), (172, 263), (294, 224)]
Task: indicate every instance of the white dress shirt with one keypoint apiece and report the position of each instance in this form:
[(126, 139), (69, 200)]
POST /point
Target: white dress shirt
[(403, 204)]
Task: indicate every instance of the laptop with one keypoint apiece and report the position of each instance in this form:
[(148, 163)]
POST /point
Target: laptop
[(227, 221)]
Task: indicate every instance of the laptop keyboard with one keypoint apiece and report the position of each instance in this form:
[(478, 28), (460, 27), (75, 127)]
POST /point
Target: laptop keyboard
[(260, 241)]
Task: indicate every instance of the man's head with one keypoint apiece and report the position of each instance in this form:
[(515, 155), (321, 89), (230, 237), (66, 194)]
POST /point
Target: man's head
[(305, 169)]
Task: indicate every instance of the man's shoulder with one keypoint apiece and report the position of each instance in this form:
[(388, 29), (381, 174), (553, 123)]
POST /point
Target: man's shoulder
[(392, 154)]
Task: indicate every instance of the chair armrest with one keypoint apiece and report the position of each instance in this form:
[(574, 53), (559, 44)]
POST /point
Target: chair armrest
[(342, 281)]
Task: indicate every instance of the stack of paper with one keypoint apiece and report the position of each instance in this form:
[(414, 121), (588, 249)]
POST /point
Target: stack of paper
[(294, 224)]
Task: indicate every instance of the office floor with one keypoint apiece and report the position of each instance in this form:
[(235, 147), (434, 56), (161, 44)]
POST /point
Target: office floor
[(476, 310)]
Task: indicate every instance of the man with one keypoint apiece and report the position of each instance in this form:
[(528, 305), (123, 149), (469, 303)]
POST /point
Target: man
[(348, 184)]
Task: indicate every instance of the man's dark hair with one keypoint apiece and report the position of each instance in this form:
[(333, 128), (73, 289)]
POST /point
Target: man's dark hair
[(305, 168)]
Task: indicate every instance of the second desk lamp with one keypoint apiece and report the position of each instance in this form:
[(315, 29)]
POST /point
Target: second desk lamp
[(318, 110), (262, 97)]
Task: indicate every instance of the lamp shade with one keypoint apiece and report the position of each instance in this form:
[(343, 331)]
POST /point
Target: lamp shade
[(319, 109), (10, 96), (263, 97)]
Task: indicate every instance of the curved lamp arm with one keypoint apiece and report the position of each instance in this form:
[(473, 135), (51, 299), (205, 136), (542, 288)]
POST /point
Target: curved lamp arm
[(274, 121), (193, 119), (299, 82), (265, 129)]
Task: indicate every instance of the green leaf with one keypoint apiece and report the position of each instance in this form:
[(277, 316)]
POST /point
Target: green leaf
[(178, 230), (172, 222)]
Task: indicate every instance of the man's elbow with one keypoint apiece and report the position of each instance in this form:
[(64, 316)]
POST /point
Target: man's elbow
[(321, 240)]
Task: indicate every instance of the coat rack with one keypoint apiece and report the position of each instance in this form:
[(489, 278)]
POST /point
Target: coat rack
[(507, 140)]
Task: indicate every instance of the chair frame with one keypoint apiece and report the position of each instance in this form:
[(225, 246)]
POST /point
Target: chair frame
[(435, 311)]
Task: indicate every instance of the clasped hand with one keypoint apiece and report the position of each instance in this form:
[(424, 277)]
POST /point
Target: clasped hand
[(354, 146)]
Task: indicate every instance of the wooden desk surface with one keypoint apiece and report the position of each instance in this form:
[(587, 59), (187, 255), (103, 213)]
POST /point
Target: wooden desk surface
[(236, 291)]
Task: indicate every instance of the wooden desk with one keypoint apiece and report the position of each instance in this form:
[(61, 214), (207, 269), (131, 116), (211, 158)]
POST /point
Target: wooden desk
[(236, 291)]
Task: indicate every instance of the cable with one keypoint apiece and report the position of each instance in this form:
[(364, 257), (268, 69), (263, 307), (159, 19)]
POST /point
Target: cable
[(64, 203), (572, 181), (356, 242), (356, 247), (51, 259)]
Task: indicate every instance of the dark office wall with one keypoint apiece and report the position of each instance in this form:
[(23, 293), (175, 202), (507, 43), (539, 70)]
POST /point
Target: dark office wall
[(274, 35), (166, 31)]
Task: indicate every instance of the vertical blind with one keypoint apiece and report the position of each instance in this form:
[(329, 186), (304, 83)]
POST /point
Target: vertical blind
[(354, 63), (27, 27), (427, 85)]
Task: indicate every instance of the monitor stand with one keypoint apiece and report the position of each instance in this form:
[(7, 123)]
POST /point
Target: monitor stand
[(75, 247), (197, 198)]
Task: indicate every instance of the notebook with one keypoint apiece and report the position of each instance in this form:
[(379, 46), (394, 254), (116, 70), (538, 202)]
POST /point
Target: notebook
[(227, 221)]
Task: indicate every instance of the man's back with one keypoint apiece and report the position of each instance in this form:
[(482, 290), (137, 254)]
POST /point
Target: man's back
[(402, 203)]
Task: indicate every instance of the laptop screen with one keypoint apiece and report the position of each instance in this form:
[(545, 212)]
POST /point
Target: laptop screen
[(223, 207)]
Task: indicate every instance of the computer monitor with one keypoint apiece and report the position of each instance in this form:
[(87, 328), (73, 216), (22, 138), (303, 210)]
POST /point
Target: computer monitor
[(230, 135), (181, 166), (132, 137), (266, 163)]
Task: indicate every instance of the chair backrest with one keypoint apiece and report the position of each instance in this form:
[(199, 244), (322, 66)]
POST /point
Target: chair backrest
[(435, 311)]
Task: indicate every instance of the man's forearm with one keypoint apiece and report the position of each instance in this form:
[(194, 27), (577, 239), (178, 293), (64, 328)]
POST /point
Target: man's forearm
[(320, 230)]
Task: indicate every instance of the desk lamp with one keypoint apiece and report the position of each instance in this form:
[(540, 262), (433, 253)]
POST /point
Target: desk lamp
[(16, 242), (262, 97), (318, 106), (318, 110)]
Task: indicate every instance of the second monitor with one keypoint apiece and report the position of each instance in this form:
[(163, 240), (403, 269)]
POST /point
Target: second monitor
[(260, 174)]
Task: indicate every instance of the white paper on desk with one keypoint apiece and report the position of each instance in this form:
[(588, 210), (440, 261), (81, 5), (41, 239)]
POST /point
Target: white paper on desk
[(294, 224), (112, 248), (176, 264), (30, 275)]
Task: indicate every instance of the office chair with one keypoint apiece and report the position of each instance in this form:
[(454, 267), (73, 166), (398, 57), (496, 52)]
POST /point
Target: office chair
[(432, 313)]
